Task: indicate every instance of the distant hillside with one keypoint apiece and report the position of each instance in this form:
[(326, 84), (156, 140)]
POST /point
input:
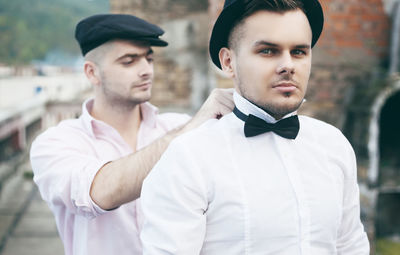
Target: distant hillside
[(30, 29)]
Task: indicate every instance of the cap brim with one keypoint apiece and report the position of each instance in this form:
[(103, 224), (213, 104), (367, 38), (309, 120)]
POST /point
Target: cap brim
[(153, 41), (150, 40)]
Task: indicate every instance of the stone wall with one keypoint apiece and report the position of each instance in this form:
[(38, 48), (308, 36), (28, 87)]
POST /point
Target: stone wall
[(159, 11)]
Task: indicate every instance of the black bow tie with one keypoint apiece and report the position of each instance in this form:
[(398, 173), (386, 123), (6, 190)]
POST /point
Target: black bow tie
[(287, 128)]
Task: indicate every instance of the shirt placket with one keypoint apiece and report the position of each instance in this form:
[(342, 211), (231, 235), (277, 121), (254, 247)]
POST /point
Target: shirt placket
[(286, 152)]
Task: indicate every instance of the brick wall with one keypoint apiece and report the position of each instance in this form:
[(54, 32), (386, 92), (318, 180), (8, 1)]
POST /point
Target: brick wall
[(355, 31), (352, 51)]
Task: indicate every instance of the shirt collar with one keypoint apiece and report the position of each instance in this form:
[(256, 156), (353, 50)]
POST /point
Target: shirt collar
[(247, 108), (148, 111), (149, 114), (86, 117)]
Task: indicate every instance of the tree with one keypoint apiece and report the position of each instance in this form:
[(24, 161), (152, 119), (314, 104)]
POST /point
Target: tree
[(31, 29)]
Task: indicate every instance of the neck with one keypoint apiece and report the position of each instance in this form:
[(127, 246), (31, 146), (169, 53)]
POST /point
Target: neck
[(126, 120)]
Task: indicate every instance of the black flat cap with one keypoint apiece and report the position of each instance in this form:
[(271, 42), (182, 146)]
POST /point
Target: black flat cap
[(233, 10), (93, 31)]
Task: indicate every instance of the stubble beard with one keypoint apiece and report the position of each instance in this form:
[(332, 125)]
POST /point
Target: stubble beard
[(278, 112), (275, 110), (118, 101)]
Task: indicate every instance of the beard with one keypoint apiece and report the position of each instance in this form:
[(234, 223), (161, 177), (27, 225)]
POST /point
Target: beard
[(119, 100), (276, 110)]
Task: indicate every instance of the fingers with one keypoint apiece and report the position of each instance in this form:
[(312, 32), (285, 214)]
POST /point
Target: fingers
[(228, 102), (225, 106), (219, 103), (222, 93), (224, 98)]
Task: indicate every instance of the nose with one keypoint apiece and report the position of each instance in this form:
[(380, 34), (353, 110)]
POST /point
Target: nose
[(146, 68), (286, 64)]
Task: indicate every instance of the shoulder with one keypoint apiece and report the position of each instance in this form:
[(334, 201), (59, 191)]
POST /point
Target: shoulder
[(211, 133), (172, 116), (192, 154), (67, 132), (327, 138), (319, 128), (172, 120), (325, 135)]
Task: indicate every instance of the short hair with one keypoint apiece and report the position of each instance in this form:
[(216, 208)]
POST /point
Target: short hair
[(97, 54), (252, 6)]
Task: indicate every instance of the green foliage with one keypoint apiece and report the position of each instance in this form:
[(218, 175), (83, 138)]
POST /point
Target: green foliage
[(387, 247), (30, 29)]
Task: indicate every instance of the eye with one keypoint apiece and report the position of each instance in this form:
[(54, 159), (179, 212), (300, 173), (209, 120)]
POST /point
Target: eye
[(150, 58), (127, 61), (269, 51), (298, 52)]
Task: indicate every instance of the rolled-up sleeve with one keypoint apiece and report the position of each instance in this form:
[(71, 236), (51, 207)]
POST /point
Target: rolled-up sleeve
[(64, 171), (174, 202), (352, 239)]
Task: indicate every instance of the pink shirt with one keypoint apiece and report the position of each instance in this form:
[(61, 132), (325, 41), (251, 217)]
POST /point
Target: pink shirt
[(65, 160)]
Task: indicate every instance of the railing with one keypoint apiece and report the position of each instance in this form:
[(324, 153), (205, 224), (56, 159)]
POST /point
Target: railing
[(28, 106)]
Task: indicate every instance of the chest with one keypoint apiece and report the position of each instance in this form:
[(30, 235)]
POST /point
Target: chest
[(274, 191), (112, 145)]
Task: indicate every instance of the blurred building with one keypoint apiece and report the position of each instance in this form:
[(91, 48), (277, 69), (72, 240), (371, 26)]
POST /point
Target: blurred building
[(182, 75), (354, 83)]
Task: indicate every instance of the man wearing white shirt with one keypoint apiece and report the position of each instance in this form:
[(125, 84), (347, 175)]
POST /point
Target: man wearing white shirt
[(262, 180)]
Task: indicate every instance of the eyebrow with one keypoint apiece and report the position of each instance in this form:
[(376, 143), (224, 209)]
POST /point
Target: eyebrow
[(149, 52), (265, 43)]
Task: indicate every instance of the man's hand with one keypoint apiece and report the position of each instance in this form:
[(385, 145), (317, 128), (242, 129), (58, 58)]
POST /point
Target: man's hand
[(120, 181), (219, 103)]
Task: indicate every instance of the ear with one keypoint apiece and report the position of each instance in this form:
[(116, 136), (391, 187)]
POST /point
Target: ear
[(227, 62), (92, 72)]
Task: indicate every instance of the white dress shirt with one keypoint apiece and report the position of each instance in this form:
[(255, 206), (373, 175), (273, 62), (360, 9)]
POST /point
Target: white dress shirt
[(65, 160), (214, 191)]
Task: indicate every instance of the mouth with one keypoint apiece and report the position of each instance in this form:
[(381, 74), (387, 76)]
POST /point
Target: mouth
[(285, 87), (144, 85)]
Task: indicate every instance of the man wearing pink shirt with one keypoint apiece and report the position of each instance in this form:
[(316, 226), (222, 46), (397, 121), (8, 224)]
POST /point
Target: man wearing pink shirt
[(90, 170)]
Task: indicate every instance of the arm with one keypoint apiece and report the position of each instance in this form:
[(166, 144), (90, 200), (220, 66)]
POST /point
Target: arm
[(120, 181), (351, 236), (64, 170), (174, 201)]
